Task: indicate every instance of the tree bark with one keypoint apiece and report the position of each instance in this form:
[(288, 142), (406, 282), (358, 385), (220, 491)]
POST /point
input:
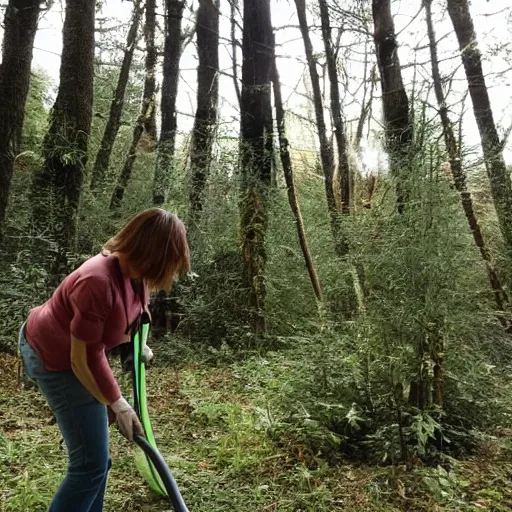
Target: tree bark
[(150, 65), (326, 150), (256, 150), (20, 22), (207, 100), (339, 128), (499, 178), (57, 185), (290, 185), (171, 73), (398, 126), (146, 121), (459, 176), (116, 108)]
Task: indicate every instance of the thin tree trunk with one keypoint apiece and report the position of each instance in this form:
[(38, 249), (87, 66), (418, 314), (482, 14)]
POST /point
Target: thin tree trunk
[(326, 150), (65, 145), (458, 173), (150, 67), (398, 126), (256, 150), (116, 107), (499, 177), (288, 176), (207, 100), (339, 128), (366, 104), (166, 145), (20, 22), (146, 120), (233, 4), (126, 172)]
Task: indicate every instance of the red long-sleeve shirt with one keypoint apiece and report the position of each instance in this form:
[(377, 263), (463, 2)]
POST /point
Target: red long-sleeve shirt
[(96, 304)]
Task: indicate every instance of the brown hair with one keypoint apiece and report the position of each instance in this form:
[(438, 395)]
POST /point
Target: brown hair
[(155, 244)]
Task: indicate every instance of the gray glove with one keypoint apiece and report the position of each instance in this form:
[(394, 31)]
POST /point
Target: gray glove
[(147, 354), (126, 418)]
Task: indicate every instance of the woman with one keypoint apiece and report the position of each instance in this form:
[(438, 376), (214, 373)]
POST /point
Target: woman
[(63, 344)]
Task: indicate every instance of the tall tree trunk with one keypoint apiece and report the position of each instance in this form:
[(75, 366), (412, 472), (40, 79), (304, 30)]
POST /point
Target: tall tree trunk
[(458, 173), (116, 107), (499, 177), (326, 150), (150, 66), (256, 149), (65, 146), (171, 73), (20, 26), (146, 120), (398, 126), (207, 101), (288, 176), (339, 128)]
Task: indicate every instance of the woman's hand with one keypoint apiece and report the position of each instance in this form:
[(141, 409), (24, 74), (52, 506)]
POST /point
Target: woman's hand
[(147, 354), (126, 418)]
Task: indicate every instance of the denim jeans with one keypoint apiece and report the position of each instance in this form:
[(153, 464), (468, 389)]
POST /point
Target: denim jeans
[(83, 423)]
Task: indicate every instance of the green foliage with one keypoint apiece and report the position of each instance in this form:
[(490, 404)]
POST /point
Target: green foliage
[(22, 287), (36, 111)]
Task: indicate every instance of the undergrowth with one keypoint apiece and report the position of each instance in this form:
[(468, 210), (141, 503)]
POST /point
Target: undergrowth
[(220, 433)]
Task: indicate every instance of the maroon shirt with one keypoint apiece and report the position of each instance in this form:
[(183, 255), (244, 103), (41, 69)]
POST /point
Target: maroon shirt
[(96, 303)]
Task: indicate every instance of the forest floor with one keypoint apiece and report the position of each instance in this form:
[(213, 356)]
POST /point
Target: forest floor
[(206, 428)]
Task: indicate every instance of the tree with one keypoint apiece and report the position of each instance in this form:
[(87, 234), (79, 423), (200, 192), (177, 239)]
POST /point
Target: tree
[(256, 150), (326, 150), (171, 73), (284, 150), (21, 17), (207, 101), (339, 128), (395, 103), (459, 176), (499, 178), (233, 4), (57, 184), (146, 120), (150, 64), (116, 108)]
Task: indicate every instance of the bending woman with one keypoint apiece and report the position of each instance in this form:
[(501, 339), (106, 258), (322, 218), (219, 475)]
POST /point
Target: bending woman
[(63, 344)]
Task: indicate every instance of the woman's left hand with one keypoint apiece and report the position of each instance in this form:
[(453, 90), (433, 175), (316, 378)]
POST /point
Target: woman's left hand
[(147, 354)]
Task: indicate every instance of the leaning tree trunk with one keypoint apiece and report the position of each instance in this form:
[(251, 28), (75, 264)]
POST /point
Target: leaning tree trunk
[(207, 101), (499, 177), (326, 150), (116, 107), (171, 73), (339, 128), (65, 144), (256, 150), (20, 26), (146, 121), (398, 126), (284, 150), (458, 173)]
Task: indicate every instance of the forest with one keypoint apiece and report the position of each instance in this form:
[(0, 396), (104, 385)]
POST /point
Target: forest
[(343, 341)]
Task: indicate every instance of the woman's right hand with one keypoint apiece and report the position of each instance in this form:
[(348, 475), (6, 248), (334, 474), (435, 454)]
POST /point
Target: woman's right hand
[(126, 418)]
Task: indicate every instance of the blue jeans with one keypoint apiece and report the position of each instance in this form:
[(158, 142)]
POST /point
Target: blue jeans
[(83, 423)]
